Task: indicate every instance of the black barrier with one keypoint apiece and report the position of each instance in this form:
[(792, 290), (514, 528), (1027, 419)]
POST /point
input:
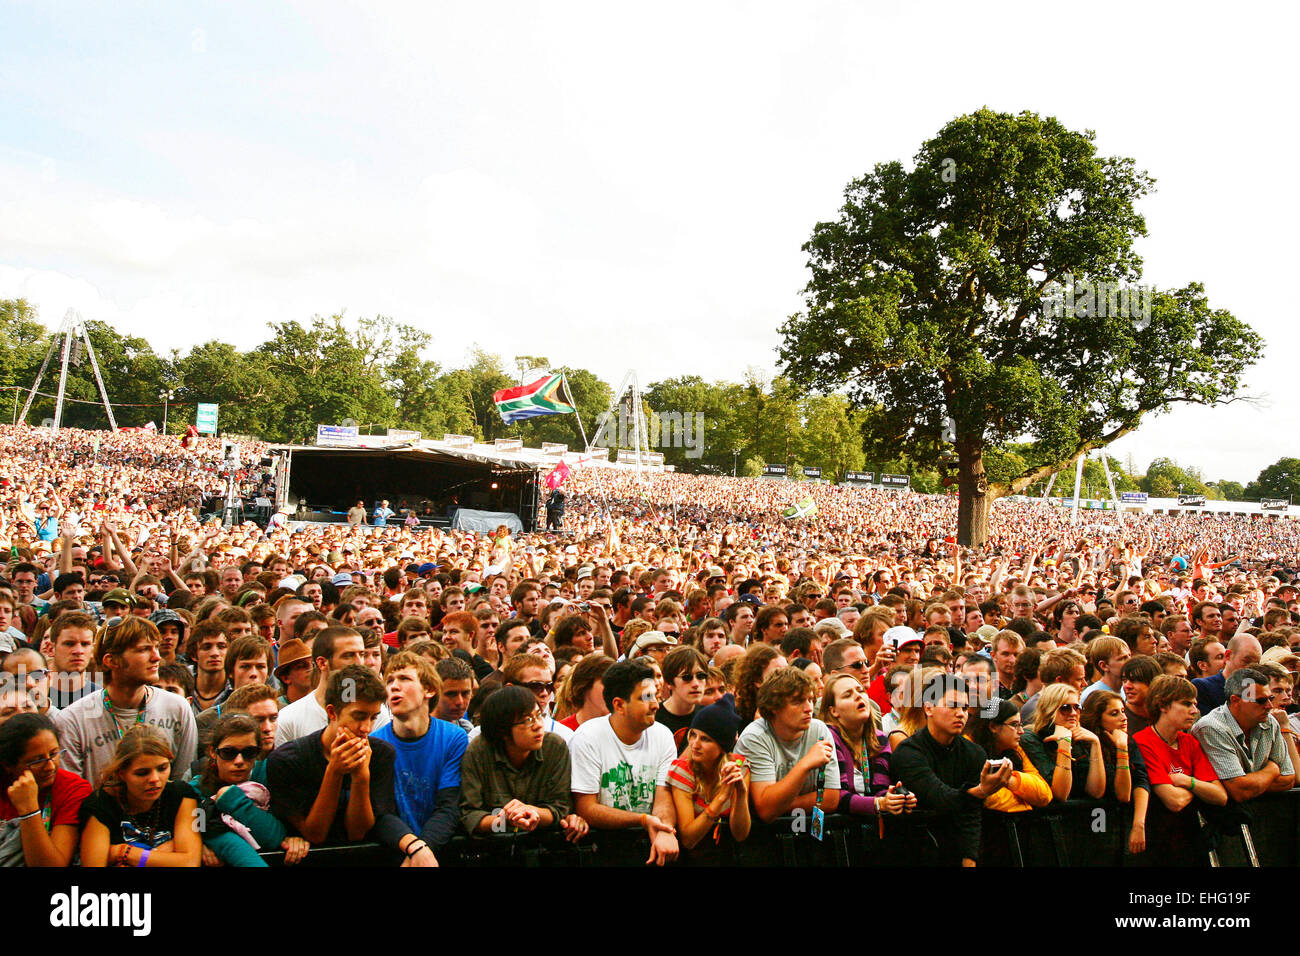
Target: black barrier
[(1077, 833)]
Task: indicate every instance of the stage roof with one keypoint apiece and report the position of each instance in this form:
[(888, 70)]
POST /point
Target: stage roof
[(519, 459)]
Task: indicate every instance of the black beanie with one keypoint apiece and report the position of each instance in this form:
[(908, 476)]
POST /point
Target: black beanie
[(720, 721)]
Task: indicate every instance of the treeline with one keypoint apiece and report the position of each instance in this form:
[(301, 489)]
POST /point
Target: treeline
[(374, 371)]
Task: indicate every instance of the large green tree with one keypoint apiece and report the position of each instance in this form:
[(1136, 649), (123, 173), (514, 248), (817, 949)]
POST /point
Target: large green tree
[(934, 296), (1279, 480)]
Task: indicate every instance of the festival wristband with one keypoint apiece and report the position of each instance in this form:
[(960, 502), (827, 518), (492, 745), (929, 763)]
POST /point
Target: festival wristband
[(416, 847), (143, 857), (28, 816)]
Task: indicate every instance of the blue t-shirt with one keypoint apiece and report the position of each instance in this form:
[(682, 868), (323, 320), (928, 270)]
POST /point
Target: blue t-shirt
[(381, 516), (424, 767)]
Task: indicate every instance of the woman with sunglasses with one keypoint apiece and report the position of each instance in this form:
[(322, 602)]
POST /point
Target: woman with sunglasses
[(233, 789), (139, 816), (1000, 736), (1067, 754), (1126, 775), (40, 802)]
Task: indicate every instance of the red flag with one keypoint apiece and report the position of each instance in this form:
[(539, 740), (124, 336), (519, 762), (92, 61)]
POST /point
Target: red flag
[(557, 476)]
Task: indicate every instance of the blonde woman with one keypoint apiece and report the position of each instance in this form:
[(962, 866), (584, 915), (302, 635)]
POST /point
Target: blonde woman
[(1066, 753)]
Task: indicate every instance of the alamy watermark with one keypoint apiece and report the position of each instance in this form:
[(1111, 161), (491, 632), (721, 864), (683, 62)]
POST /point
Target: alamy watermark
[(663, 430), (1100, 298)]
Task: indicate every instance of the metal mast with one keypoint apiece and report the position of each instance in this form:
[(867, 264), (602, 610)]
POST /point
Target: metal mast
[(72, 329)]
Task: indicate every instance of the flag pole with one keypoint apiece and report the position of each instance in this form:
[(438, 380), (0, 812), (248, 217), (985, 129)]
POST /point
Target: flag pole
[(586, 445)]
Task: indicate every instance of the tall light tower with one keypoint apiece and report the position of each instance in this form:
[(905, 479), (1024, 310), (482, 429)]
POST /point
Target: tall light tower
[(72, 329)]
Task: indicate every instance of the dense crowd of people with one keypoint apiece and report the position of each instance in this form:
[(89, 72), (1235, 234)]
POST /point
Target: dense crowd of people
[(675, 659)]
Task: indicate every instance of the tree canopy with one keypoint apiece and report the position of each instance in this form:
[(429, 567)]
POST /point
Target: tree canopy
[(969, 289)]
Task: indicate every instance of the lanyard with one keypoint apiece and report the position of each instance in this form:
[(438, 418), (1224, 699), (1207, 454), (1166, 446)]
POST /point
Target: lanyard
[(821, 785), (139, 714)]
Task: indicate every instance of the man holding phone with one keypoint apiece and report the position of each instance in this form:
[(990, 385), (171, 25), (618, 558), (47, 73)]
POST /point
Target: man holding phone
[(949, 774)]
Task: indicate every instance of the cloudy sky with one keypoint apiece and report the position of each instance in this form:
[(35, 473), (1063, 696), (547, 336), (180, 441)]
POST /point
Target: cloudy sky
[(608, 185)]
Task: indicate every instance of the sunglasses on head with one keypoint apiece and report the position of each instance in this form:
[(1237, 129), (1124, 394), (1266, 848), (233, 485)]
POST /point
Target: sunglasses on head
[(230, 753)]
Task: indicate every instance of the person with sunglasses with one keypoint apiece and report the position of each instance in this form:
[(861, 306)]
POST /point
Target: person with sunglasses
[(1000, 737), (686, 671), (533, 673), (1067, 754), (40, 802), (515, 775), (1247, 748), (232, 789)]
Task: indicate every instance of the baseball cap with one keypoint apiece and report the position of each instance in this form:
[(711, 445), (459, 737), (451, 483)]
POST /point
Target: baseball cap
[(342, 579), (901, 635), (120, 596)]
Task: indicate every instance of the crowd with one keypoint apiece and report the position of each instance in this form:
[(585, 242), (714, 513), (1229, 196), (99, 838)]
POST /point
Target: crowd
[(677, 659)]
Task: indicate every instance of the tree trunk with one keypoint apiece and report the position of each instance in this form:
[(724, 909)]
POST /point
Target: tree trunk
[(973, 504)]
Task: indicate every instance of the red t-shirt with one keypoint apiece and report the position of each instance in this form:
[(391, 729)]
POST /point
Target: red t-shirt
[(876, 691), (66, 796), (1162, 760), (571, 721)]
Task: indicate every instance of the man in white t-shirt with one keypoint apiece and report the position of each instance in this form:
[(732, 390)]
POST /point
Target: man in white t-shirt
[(621, 762), (333, 648)]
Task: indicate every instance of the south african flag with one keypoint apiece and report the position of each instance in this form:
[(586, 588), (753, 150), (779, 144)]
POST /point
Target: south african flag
[(542, 397)]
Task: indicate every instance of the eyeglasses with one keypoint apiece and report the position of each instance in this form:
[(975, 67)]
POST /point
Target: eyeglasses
[(230, 753), (532, 720), (38, 762), (538, 687)]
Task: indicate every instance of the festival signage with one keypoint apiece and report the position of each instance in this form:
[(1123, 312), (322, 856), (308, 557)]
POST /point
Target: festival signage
[(205, 418), (457, 441), (1274, 504), (553, 448), (812, 472), (861, 477), (509, 444), (1132, 497), (337, 435), (1191, 501), (775, 471), (895, 481)]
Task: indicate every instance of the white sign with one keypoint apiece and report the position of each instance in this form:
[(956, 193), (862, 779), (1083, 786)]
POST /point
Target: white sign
[(509, 444), (553, 448), (457, 441), (337, 435)]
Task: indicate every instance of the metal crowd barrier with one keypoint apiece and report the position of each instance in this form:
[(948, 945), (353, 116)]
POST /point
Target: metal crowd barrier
[(1077, 833)]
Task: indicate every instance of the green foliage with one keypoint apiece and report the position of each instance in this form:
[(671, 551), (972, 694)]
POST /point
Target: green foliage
[(1279, 480), (928, 300)]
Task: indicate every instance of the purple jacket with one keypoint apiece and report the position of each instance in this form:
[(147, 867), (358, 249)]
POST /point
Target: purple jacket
[(878, 779)]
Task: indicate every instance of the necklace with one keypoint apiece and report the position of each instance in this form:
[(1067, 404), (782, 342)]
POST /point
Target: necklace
[(117, 721)]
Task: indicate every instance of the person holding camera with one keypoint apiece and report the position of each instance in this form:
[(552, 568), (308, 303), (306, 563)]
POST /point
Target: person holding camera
[(1000, 735), (949, 774)]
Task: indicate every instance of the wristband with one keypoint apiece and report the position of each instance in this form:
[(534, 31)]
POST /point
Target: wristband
[(143, 856), (1121, 766), (1193, 783), (28, 816), (415, 847)]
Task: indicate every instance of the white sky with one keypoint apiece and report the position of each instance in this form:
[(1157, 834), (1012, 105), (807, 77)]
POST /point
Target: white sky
[(608, 185)]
